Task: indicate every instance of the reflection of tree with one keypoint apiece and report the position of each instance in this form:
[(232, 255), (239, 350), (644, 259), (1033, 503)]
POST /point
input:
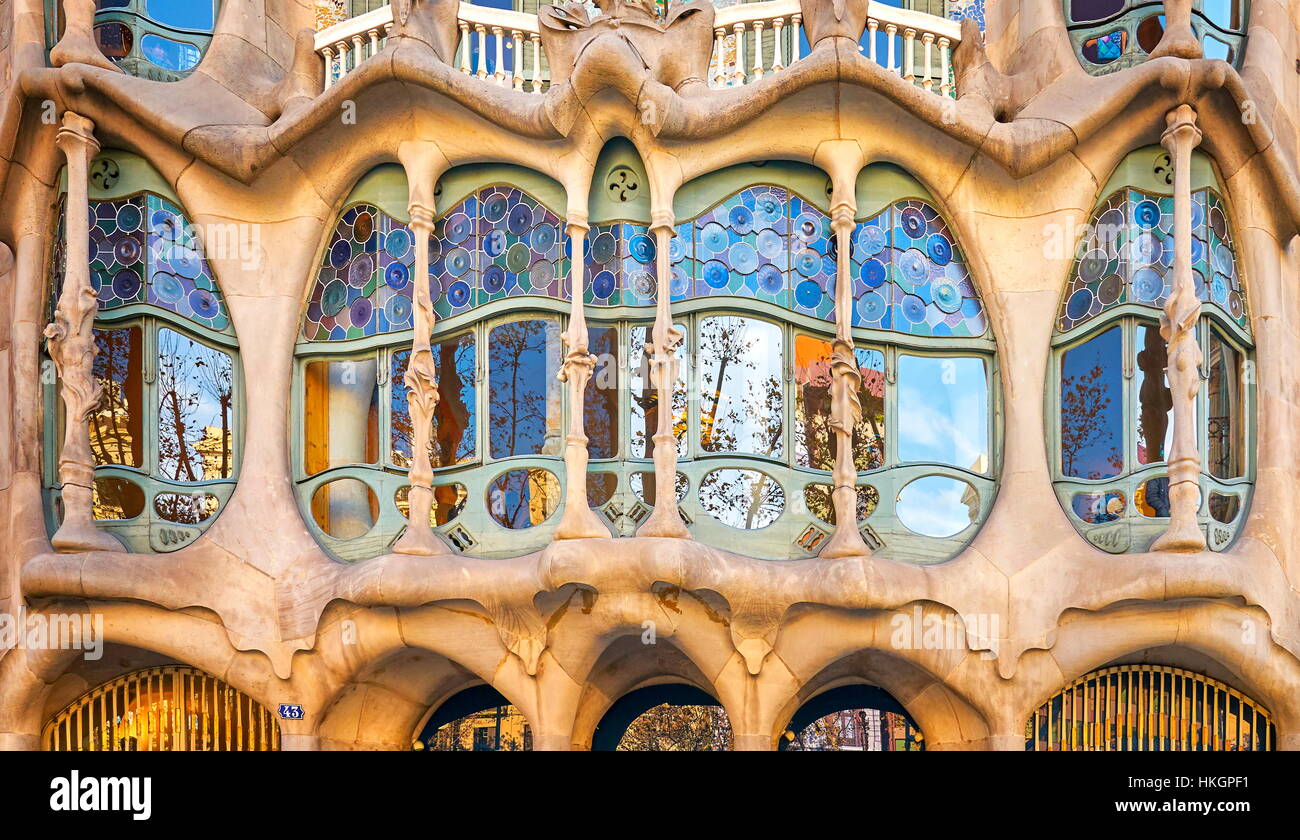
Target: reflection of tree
[(519, 388), (736, 398), (187, 372), (742, 498), (815, 440), (1085, 398), (668, 728), (452, 439), (600, 398), (114, 430), (505, 727)]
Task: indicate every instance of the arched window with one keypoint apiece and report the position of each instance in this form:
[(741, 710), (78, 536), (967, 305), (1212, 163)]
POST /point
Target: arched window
[(166, 437), (1110, 35), (169, 708), (752, 283), (852, 718), (1114, 410), (1149, 707), (163, 40), (477, 719)]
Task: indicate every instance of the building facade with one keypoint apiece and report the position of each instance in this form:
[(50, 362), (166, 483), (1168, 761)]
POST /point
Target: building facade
[(961, 333)]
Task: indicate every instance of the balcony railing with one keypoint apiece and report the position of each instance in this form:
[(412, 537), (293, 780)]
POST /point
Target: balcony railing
[(751, 41)]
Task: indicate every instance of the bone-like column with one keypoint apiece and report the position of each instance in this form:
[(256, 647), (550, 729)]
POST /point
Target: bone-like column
[(71, 343), (77, 45), (846, 383), (1178, 327), (422, 398), (579, 520), (664, 521)]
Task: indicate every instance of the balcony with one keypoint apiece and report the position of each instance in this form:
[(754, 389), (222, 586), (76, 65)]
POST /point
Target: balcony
[(751, 41)]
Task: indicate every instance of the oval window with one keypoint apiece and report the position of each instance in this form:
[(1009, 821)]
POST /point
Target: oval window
[(1150, 31), (169, 54), (817, 498), (1152, 497), (1224, 507), (182, 14), (938, 506), (186, 508), (745, 499), (1094, 508), (345, 508), (523, 498), (116, 499), (1105, 48), (114, 39), (448, 502)]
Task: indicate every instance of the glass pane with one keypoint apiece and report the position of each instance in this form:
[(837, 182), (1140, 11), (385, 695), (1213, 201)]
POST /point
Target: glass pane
[(1092, 407), (1155, 430), (1225, 14), (643, 485), (340, 414), (943, 411), (524, 395), (600, 398), (1224, 507), (1152, 497), (600, 488), (746, 499), (742, 403), (645, 399), (185, 508), (169, 54), (817, 498), (938, 506), (114, 39), (1105, 48), (1212, 47), (523, 498), (116, 499), (196, 411), (345, 509), (455, 419), (1224, 397), (1150, 31), (182, 14), (815, 442), (1099, 507), (448, 502), (116, 427)]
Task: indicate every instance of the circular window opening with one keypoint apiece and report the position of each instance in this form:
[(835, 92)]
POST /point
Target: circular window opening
[(523, 498), (938, 506), (744, 499), (345, 508)]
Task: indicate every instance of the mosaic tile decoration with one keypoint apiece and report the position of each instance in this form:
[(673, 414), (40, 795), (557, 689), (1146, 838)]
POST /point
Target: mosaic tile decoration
[(909, 275), (620, 265), (495, 244), (1129, 254), (143, 250), (973, 9), (741, 247)]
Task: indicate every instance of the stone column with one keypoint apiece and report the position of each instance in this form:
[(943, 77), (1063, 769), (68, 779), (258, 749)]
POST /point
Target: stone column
[(1179, 39), (579, 520), (846, 383), (1178, 327), (664, 520), (422, 398), (71, 343), (77, 46)]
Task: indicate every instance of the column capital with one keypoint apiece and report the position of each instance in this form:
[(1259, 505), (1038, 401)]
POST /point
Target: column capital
[(1180, 127), (576, 222), (421, 216), (660, 219), (76, 130)]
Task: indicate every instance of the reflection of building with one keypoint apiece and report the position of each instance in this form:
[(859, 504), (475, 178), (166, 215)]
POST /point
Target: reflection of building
[(678, 189), (500, 728)]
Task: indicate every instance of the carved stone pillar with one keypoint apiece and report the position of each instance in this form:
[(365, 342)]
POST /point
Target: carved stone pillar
[(664, 521), (77, 46), (1179, 39), (579, 520), (71, 343), (1178, 327), (422, 399), (846, 383)]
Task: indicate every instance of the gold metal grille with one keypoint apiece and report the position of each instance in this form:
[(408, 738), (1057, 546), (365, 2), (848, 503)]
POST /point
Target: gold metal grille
[(172, 707), (1149, 707)]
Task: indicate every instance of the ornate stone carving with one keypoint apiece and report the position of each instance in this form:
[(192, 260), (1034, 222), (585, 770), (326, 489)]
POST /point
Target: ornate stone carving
[(431, 22), (833, 19), (71, 343), (1178, 327), (673, 50), (422, 397)]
